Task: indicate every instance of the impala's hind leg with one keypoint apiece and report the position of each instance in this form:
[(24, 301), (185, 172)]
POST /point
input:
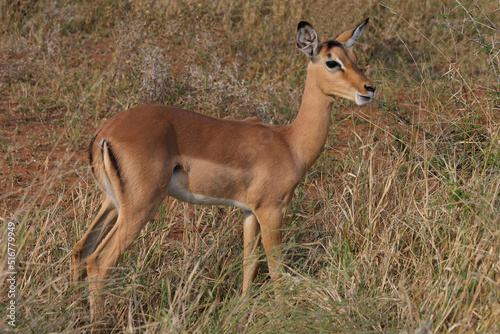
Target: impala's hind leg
[(101, 262), (100, 226)]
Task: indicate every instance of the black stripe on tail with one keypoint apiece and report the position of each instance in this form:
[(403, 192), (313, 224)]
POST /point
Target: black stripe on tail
[(114, 162), (91, 158), (112, 158)]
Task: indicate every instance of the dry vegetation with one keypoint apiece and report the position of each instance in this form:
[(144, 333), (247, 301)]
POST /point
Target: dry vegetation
[(395, 229)]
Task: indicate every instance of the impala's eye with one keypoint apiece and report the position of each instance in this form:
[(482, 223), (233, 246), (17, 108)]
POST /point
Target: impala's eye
[(332, 64)]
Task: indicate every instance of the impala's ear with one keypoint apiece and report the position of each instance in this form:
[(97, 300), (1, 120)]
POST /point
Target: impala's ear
[(307, 39), (351, 36)]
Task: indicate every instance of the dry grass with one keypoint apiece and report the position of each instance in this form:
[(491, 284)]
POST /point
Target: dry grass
[(395, 229)]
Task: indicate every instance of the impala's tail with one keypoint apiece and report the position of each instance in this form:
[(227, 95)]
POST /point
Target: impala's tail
[(105, 169)]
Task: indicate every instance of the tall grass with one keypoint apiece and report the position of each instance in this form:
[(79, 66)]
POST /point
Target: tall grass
[(395, 229)]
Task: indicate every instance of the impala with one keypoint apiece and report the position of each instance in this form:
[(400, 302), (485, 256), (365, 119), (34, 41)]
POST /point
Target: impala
[(146, 153)]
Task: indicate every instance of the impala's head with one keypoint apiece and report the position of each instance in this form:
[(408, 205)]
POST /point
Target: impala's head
[(333, 64)]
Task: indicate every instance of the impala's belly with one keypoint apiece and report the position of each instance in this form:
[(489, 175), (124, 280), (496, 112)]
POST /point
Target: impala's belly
[(177, 188)]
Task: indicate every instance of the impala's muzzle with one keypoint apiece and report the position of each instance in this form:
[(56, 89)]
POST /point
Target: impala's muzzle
[(362, 99)]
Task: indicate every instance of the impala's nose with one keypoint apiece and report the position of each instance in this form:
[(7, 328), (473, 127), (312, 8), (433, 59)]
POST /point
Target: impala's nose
[(370, 89)]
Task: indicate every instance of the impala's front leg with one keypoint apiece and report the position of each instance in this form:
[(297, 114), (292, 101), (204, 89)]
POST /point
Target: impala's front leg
[(270, 223), (251, 238)]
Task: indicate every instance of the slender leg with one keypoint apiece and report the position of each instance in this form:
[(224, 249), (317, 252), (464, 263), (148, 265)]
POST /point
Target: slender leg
[(251, 230), (270, 224), (102, 223), (103, 260)]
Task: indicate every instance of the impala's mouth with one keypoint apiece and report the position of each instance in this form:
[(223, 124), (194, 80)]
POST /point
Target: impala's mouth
[(362, 100)]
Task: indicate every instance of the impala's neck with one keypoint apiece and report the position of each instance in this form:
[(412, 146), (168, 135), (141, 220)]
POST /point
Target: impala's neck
[(309, 131)]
